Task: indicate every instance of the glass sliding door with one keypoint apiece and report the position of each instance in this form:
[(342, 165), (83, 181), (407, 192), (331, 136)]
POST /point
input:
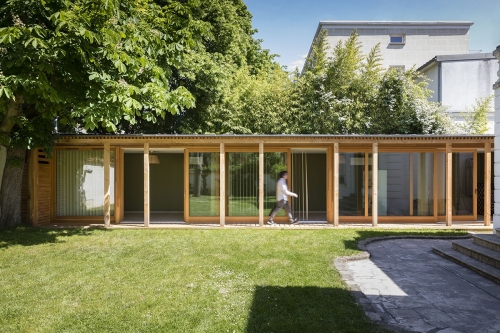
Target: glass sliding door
[(352, 184), (462, 177), (79, 182), (405, 184), (242, 183), (204, 175), (463, 187)]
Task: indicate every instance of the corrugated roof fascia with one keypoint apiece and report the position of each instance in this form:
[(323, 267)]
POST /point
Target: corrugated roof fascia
[(284, 136)]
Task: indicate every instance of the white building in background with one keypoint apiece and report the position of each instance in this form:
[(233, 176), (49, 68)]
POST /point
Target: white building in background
[(459, 80), (438, 49), (496, 89), (403, 43)]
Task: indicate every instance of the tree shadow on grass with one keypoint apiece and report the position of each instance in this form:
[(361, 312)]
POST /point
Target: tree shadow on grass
[(28, 236), (306, 309), (352, 244)]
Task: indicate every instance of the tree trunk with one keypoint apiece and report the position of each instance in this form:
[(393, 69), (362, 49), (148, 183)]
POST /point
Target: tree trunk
[(10, 193)]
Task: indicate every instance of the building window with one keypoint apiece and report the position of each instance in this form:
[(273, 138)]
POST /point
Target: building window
[(398, 67), (397, 39), (79, 179)]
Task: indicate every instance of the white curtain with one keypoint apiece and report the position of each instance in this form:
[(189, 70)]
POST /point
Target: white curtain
[(80, 179)]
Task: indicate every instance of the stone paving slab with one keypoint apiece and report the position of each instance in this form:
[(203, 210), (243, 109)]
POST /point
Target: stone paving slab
[(404, 286)]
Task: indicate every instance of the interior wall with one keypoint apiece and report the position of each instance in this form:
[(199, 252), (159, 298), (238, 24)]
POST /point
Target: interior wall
[(316, 180), (166, 183)]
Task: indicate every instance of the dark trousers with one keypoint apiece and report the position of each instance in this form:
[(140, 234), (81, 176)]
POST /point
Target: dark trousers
[(281, 204)]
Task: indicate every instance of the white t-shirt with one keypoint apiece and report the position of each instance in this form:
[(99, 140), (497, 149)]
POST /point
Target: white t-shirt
[(282, 192)]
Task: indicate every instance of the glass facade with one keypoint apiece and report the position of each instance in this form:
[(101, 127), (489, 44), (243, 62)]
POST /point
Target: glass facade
[(204, 188), (405, 184), (352, 187), (462, 183), (79, 183), (242, 182)]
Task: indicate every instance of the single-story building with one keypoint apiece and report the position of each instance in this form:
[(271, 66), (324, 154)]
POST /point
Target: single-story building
[(231, 178)]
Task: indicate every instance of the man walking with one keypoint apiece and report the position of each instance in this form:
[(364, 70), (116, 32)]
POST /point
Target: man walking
[(282, 194)]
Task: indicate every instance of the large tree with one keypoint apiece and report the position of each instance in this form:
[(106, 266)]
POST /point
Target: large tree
[(92, 61), (214, 70)]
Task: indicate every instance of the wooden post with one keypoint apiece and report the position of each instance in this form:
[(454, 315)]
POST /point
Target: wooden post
[(374, 185), (487, 184), (107, 188), (336, 180), (366, 164), (449, 193), (261, 184), (411, 185), (435, 187), (33, 187), (474, 185), (222, 184), (329, 185), (146, 184)]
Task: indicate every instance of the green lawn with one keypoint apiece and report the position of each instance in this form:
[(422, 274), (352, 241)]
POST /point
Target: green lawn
[(160, 280)]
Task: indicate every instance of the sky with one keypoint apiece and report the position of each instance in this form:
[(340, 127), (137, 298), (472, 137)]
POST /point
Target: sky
[(287, 27)]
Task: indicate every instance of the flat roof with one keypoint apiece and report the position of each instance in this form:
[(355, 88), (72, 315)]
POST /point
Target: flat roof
[(397, 23), (276, 139), (457, 57)]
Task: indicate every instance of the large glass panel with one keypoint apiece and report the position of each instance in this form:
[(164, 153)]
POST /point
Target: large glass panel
[(441, 179), (462, 188), (274, 163), (423, 184), (243, 182), (394, 184), (309, 182), (204, 175), (405, 184), (462, 183), (79, 182), (351, 184)]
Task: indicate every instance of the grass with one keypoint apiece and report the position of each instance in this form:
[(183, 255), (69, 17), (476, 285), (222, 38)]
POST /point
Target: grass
[(206, 205), (238, 280)]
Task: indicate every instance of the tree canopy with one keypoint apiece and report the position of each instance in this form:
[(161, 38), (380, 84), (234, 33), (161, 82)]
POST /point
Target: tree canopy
[(183, 66)]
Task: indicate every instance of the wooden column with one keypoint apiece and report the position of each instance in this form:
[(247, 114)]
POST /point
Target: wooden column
[(411, 185), (33, 187), (146, 184), (487, 184), (336, 180), (107, 188), (435, 186), (366, 164), (329, 184), (374, 185), (449, 193), (261, 184), (222, 184)]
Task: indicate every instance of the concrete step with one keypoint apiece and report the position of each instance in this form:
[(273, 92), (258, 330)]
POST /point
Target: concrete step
[(474, 265), (491, 241), (467, 247), (497, 232)]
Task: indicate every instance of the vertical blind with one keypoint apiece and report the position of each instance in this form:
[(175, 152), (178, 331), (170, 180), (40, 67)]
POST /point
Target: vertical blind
[(243, 182), (79, 183)]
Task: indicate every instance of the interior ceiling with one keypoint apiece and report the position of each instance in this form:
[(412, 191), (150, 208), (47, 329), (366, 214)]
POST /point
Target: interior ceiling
[(308, 150), (154, 150)]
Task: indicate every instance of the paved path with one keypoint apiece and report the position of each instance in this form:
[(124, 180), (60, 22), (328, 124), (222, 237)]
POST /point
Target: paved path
[(405, 286)]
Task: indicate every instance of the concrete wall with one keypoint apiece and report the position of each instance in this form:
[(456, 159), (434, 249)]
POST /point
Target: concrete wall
[(421, 45), (496, 88), (465, 81), (433, 75)]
